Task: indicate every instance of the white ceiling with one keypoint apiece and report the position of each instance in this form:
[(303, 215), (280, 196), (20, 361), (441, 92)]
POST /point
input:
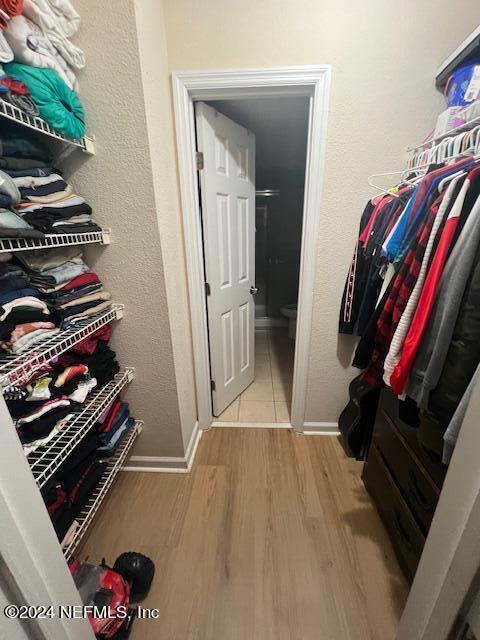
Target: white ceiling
[(280, 126)]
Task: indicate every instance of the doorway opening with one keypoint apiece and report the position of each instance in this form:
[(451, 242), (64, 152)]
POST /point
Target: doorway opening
[(268, 217), (312, 85)]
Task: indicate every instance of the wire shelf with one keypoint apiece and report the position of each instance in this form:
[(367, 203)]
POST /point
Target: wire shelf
[(45, 461), (114, 465), (16, 370), (469, 123), (13, 113), (54, 240)]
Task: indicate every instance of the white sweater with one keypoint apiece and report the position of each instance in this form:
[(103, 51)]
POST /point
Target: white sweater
[(395, 352)]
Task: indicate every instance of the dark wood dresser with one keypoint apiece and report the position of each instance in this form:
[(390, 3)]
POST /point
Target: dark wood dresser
[(404, 482)]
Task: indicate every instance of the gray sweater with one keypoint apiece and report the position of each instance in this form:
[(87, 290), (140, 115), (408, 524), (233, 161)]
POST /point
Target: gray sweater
[(433, 350), (451, 434)]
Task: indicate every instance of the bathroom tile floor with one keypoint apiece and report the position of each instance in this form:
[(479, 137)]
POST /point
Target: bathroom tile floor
[(268, 398)]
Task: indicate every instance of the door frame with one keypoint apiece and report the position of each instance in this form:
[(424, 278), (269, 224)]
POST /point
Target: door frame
[(189, 86)]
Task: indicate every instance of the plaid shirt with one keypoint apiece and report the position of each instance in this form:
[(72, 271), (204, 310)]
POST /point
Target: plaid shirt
[(400, 293)]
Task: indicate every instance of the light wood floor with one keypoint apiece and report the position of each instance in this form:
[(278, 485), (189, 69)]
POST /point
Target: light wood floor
[(271, 537)]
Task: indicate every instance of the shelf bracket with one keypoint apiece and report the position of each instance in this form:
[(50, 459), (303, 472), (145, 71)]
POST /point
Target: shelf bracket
[(106, 236)]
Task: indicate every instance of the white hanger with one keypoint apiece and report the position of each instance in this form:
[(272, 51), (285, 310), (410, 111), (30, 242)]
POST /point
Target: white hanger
[(391, 191), (464, 144), (382, 189)]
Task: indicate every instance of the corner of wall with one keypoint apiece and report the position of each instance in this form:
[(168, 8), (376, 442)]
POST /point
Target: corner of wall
[(160, 129), (119, 184)]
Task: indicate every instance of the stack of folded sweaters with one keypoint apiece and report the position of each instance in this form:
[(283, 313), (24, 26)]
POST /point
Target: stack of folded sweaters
[(37, 32), (44, 291), (25, 319), (38, 62), (112, 426), (68, 492), (45, 407), (59, 390), (34, 198), (65, 282)]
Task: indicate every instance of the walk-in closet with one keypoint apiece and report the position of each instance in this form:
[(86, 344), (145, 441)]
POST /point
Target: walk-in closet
[(239, 320)]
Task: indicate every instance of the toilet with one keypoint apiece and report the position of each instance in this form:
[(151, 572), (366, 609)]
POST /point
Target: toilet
[(290, 312)]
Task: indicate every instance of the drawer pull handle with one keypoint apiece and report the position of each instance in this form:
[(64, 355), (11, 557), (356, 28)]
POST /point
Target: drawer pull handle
[(419, 496), (402, 531)]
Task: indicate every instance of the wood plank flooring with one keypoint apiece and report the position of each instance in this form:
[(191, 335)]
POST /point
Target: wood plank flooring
[(271, 537)]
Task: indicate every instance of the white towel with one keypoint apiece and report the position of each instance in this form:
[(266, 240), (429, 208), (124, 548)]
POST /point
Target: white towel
[(33, 181), (62, 11), (6, 53), (38, 11), (30, 46)]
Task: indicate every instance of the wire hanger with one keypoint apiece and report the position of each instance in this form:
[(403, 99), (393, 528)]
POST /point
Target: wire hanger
[(382, 190), (463, 145), (391, 190)]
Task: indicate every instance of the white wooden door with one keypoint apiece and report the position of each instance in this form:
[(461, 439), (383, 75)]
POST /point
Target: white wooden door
[(227, 185)]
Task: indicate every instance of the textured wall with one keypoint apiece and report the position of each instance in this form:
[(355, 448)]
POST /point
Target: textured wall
[(118, 183), (384, 56), (156, 88)]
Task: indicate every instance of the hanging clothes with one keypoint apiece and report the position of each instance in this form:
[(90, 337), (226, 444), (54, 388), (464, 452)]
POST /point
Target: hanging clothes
[(394, 353), (403, 285), (425, 303), (431, 355), (364, 279), (416, 303), (352, 293)]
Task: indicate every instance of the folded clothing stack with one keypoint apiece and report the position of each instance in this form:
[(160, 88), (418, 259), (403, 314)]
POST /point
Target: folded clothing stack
[(71, 291), (112, 427), (40, 35), (45, 290), (17, 155), (47, 405), (34, 198), (96, 355), (60, 212), (69, 491), (43, 407), (23, 153), (74, 483), (57, 102), (35, 49), (25, 319)]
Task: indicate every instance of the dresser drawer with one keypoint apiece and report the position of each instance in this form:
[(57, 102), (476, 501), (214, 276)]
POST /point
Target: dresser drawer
[(436, 470), (406, 536), (410, 476)]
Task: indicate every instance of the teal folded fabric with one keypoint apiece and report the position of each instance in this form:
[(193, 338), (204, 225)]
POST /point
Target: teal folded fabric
[(56, 102)]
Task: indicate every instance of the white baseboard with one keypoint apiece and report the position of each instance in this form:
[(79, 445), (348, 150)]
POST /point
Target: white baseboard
[(168, 464), (191, 451), (321, 429), (172, 464), (253, 425)]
